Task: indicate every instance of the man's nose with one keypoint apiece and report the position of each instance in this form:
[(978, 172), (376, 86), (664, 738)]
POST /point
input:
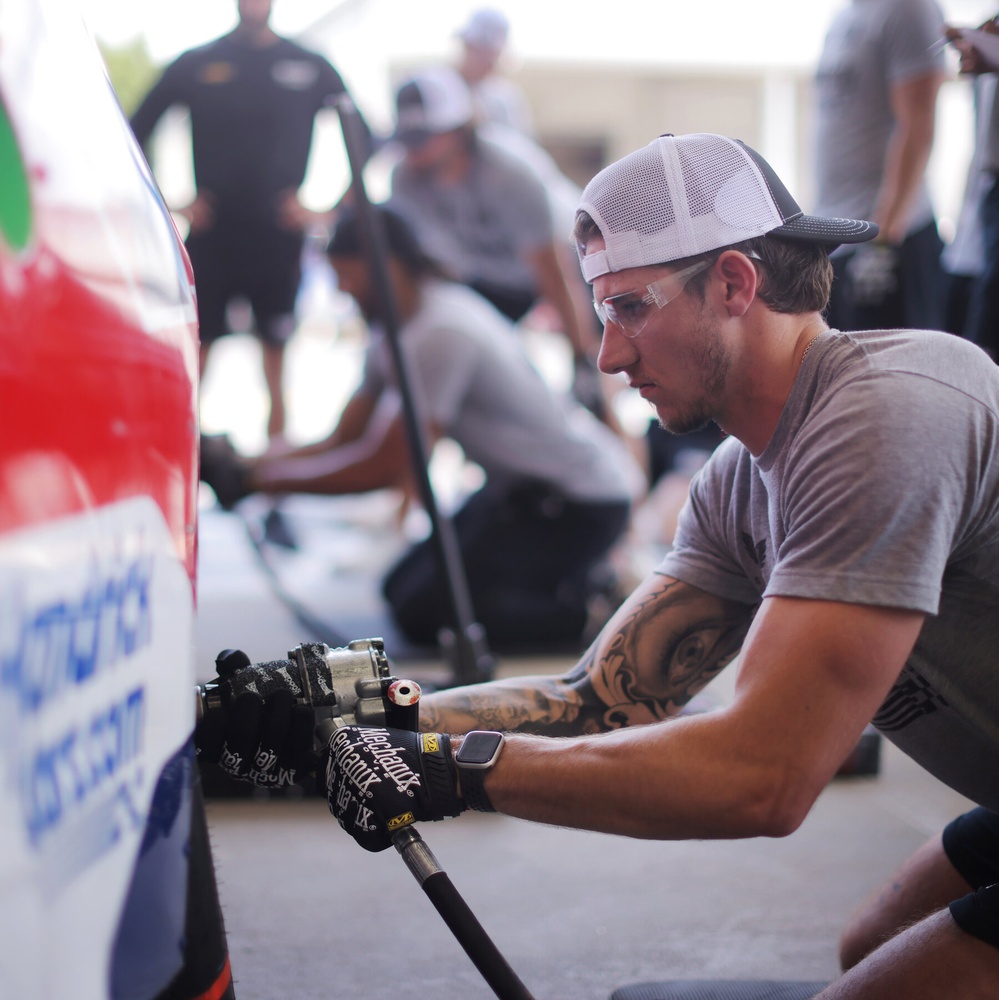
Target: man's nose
[(617, 352)]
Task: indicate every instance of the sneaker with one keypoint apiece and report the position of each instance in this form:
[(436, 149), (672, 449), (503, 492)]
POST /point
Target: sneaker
[(223, 470), (277, 530)]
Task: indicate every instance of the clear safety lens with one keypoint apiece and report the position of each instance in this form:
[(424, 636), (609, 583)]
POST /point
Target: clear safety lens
[(631, 311)]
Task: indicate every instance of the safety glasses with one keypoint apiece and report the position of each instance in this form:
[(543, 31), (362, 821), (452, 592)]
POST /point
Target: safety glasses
[(631, 311)]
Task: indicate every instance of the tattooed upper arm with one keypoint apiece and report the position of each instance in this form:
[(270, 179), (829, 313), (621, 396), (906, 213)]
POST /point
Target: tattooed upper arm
[(665, 643), (660, 648)]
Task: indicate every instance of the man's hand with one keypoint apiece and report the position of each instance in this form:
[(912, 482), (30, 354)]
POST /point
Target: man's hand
[(973, 60), (264, 736), (295, 217), (379, 781)]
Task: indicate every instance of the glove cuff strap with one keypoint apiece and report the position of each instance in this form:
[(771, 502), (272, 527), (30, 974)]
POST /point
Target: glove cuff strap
[(441, 775)]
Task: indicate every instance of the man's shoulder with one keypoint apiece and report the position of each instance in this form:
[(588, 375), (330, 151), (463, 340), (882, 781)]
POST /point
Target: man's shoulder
[(933, 352), (881, 20), (457, 310), (217, 48), (920, 383), (882, 10), (502, 157), (503, 175)]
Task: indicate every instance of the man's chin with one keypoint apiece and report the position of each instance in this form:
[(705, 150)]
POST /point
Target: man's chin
[(681, 424)]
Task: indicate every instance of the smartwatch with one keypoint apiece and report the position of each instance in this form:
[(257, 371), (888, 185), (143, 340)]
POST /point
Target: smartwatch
[(478, 752)]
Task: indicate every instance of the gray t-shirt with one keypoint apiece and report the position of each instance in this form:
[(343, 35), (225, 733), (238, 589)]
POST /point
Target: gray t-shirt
[(870, 46), (471, 375), (880, 486), (483, 227)]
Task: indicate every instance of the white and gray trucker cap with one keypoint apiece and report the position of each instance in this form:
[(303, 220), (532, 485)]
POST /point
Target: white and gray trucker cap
[(684, 195)]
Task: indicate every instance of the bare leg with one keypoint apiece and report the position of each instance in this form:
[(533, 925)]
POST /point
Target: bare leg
[(273, 358), (930, 960), (925, 883)]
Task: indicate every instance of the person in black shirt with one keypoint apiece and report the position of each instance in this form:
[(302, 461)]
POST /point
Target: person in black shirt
[(253, 97)]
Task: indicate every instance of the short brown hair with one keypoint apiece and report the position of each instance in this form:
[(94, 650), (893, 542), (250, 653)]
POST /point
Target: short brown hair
[(797, 276)]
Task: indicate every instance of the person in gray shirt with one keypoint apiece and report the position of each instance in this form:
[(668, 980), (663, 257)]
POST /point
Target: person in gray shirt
[(843, 542), (982, 320), (876, 87), (483, 209), (558, 482)]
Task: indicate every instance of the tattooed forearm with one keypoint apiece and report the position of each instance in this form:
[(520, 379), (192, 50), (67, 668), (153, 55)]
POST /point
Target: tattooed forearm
[(662, 647), (547, 705)]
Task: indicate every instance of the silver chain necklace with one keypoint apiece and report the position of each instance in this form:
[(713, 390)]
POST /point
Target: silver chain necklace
[(808, 347)]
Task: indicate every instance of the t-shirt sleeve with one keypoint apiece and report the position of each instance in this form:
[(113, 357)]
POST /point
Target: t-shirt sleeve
[(444, 362), (330, 88), (911, 32), (330, 82), (168, 90)]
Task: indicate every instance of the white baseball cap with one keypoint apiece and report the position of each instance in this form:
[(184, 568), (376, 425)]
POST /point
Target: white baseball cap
[(430, 102), (487, 28), (681, 196)]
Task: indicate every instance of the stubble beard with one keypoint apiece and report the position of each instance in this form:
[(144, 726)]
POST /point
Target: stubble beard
[(707, 365)]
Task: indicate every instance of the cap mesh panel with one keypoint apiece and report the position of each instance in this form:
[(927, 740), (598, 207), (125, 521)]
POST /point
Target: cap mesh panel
[(678, 197)]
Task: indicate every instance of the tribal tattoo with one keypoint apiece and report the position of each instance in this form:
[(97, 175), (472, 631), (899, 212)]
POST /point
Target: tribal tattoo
[(662, 647)]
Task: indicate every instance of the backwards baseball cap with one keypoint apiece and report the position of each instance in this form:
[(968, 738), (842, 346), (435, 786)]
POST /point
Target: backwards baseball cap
[(430, 102), (487, 28), (685, 195)]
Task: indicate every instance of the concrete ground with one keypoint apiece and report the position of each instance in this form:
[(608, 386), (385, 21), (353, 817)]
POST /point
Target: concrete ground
[(311, 915)]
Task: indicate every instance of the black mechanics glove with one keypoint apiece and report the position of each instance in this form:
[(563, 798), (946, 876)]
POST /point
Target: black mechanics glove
[(381, 780), (264, 735)]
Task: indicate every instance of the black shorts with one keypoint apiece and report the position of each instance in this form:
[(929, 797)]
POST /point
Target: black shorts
[(261, 264), (971, 843), (514, 303)]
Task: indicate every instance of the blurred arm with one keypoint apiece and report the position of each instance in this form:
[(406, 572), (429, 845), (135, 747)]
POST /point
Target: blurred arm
[(367, 451), (914, 107)]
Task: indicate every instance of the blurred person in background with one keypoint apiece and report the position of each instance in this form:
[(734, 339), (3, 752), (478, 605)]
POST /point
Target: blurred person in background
[(253, 97), (963, 258), (534, 539), (876, 87), (484, 212), (982, 321), (497, 98)]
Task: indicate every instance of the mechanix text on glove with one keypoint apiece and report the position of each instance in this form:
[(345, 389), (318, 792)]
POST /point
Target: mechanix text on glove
[(379, 781)]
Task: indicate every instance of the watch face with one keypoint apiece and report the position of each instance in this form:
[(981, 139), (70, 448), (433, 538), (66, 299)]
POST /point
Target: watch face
[(478, 748)]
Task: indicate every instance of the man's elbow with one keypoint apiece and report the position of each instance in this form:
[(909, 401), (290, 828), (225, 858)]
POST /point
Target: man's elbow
[(780, 805)]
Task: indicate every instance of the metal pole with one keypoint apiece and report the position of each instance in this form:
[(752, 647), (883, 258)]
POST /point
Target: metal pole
[(466, 646), (479, 947)]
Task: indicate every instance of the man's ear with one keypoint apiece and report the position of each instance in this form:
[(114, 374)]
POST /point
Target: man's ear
[(741, 279)]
